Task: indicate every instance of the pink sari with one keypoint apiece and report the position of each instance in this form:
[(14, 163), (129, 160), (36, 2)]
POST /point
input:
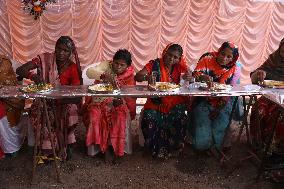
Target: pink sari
[(107, 122), (64, 116)]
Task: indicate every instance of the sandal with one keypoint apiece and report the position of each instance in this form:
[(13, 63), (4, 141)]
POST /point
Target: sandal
[(40, 159)]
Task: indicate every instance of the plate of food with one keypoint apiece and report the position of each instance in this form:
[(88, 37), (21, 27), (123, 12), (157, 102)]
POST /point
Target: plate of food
[(216, 87), (40, 88), (221, 87), (252, 87), (197, 85), (102, 88), (165, 87), (273, 84)]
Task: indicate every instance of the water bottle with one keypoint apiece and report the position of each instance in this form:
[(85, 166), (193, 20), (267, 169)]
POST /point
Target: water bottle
[(154, 75)]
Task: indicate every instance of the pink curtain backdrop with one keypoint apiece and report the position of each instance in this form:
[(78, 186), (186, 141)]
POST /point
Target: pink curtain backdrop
[(145, 27)]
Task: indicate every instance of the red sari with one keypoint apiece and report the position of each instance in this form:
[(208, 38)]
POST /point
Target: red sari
[(167, 103), (264, 111), (208, 65), (163, 120), (107, 122)]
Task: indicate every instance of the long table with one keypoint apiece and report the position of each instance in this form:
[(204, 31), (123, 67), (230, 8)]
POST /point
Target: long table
[(136, 91), (130, 91)]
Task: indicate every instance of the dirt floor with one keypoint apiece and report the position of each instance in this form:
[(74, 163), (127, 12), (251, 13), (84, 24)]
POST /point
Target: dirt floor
[(135, 171)]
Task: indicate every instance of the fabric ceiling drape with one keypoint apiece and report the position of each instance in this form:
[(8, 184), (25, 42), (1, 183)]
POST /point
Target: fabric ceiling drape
[(145, 27)]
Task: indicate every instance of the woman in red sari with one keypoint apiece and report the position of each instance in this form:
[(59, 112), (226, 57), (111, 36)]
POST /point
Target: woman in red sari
[(110, 117), (56, 68), (164, 119), (264, 111)]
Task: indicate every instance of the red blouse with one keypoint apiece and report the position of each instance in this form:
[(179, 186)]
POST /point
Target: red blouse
[(70, 76)]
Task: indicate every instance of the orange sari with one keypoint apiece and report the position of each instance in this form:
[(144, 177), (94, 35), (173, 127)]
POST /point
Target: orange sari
[(166, 103)]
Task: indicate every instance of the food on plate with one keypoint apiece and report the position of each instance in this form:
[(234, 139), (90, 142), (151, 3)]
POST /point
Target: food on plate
[(42, 87), (221, 87), (164, 86), (101, 88), (273, 83)]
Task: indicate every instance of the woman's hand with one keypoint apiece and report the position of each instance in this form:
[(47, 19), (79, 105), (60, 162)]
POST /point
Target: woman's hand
[(207, 79), (142, 75), (117, 102), (107, 77), (36, 78), (258, 76), (187, 76)]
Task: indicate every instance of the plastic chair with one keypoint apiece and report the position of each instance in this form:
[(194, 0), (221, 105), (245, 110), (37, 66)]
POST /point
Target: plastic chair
[(86, 79)]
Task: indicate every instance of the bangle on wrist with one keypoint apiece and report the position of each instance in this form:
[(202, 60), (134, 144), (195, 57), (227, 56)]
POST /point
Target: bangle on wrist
[(145, 77)]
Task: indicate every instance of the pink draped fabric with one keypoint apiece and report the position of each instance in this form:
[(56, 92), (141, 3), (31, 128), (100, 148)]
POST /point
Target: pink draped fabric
[(99, 28)]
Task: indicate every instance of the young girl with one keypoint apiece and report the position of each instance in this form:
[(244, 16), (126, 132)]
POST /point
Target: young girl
[(109, 117)]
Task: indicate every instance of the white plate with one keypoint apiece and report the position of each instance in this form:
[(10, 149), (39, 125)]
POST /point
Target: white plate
[(102, 88), (221, 87), (173, 87), (273, 84), (252, 87), (197, 85), (26, 90), (44, 91)]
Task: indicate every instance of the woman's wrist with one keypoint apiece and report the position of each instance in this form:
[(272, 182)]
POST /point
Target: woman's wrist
[(200, 78), (30, 75), (145, 77), (258, 76), (254, 78)]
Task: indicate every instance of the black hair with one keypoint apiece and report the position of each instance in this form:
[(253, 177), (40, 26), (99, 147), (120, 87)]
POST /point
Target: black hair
[(176, 47), (226, 44), (123, 54), (66, 40)]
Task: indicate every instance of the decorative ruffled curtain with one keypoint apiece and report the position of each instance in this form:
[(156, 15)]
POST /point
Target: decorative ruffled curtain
[(100, 27)]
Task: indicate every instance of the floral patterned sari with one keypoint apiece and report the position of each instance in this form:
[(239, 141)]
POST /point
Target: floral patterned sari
[(264, 111), (164, 120)]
